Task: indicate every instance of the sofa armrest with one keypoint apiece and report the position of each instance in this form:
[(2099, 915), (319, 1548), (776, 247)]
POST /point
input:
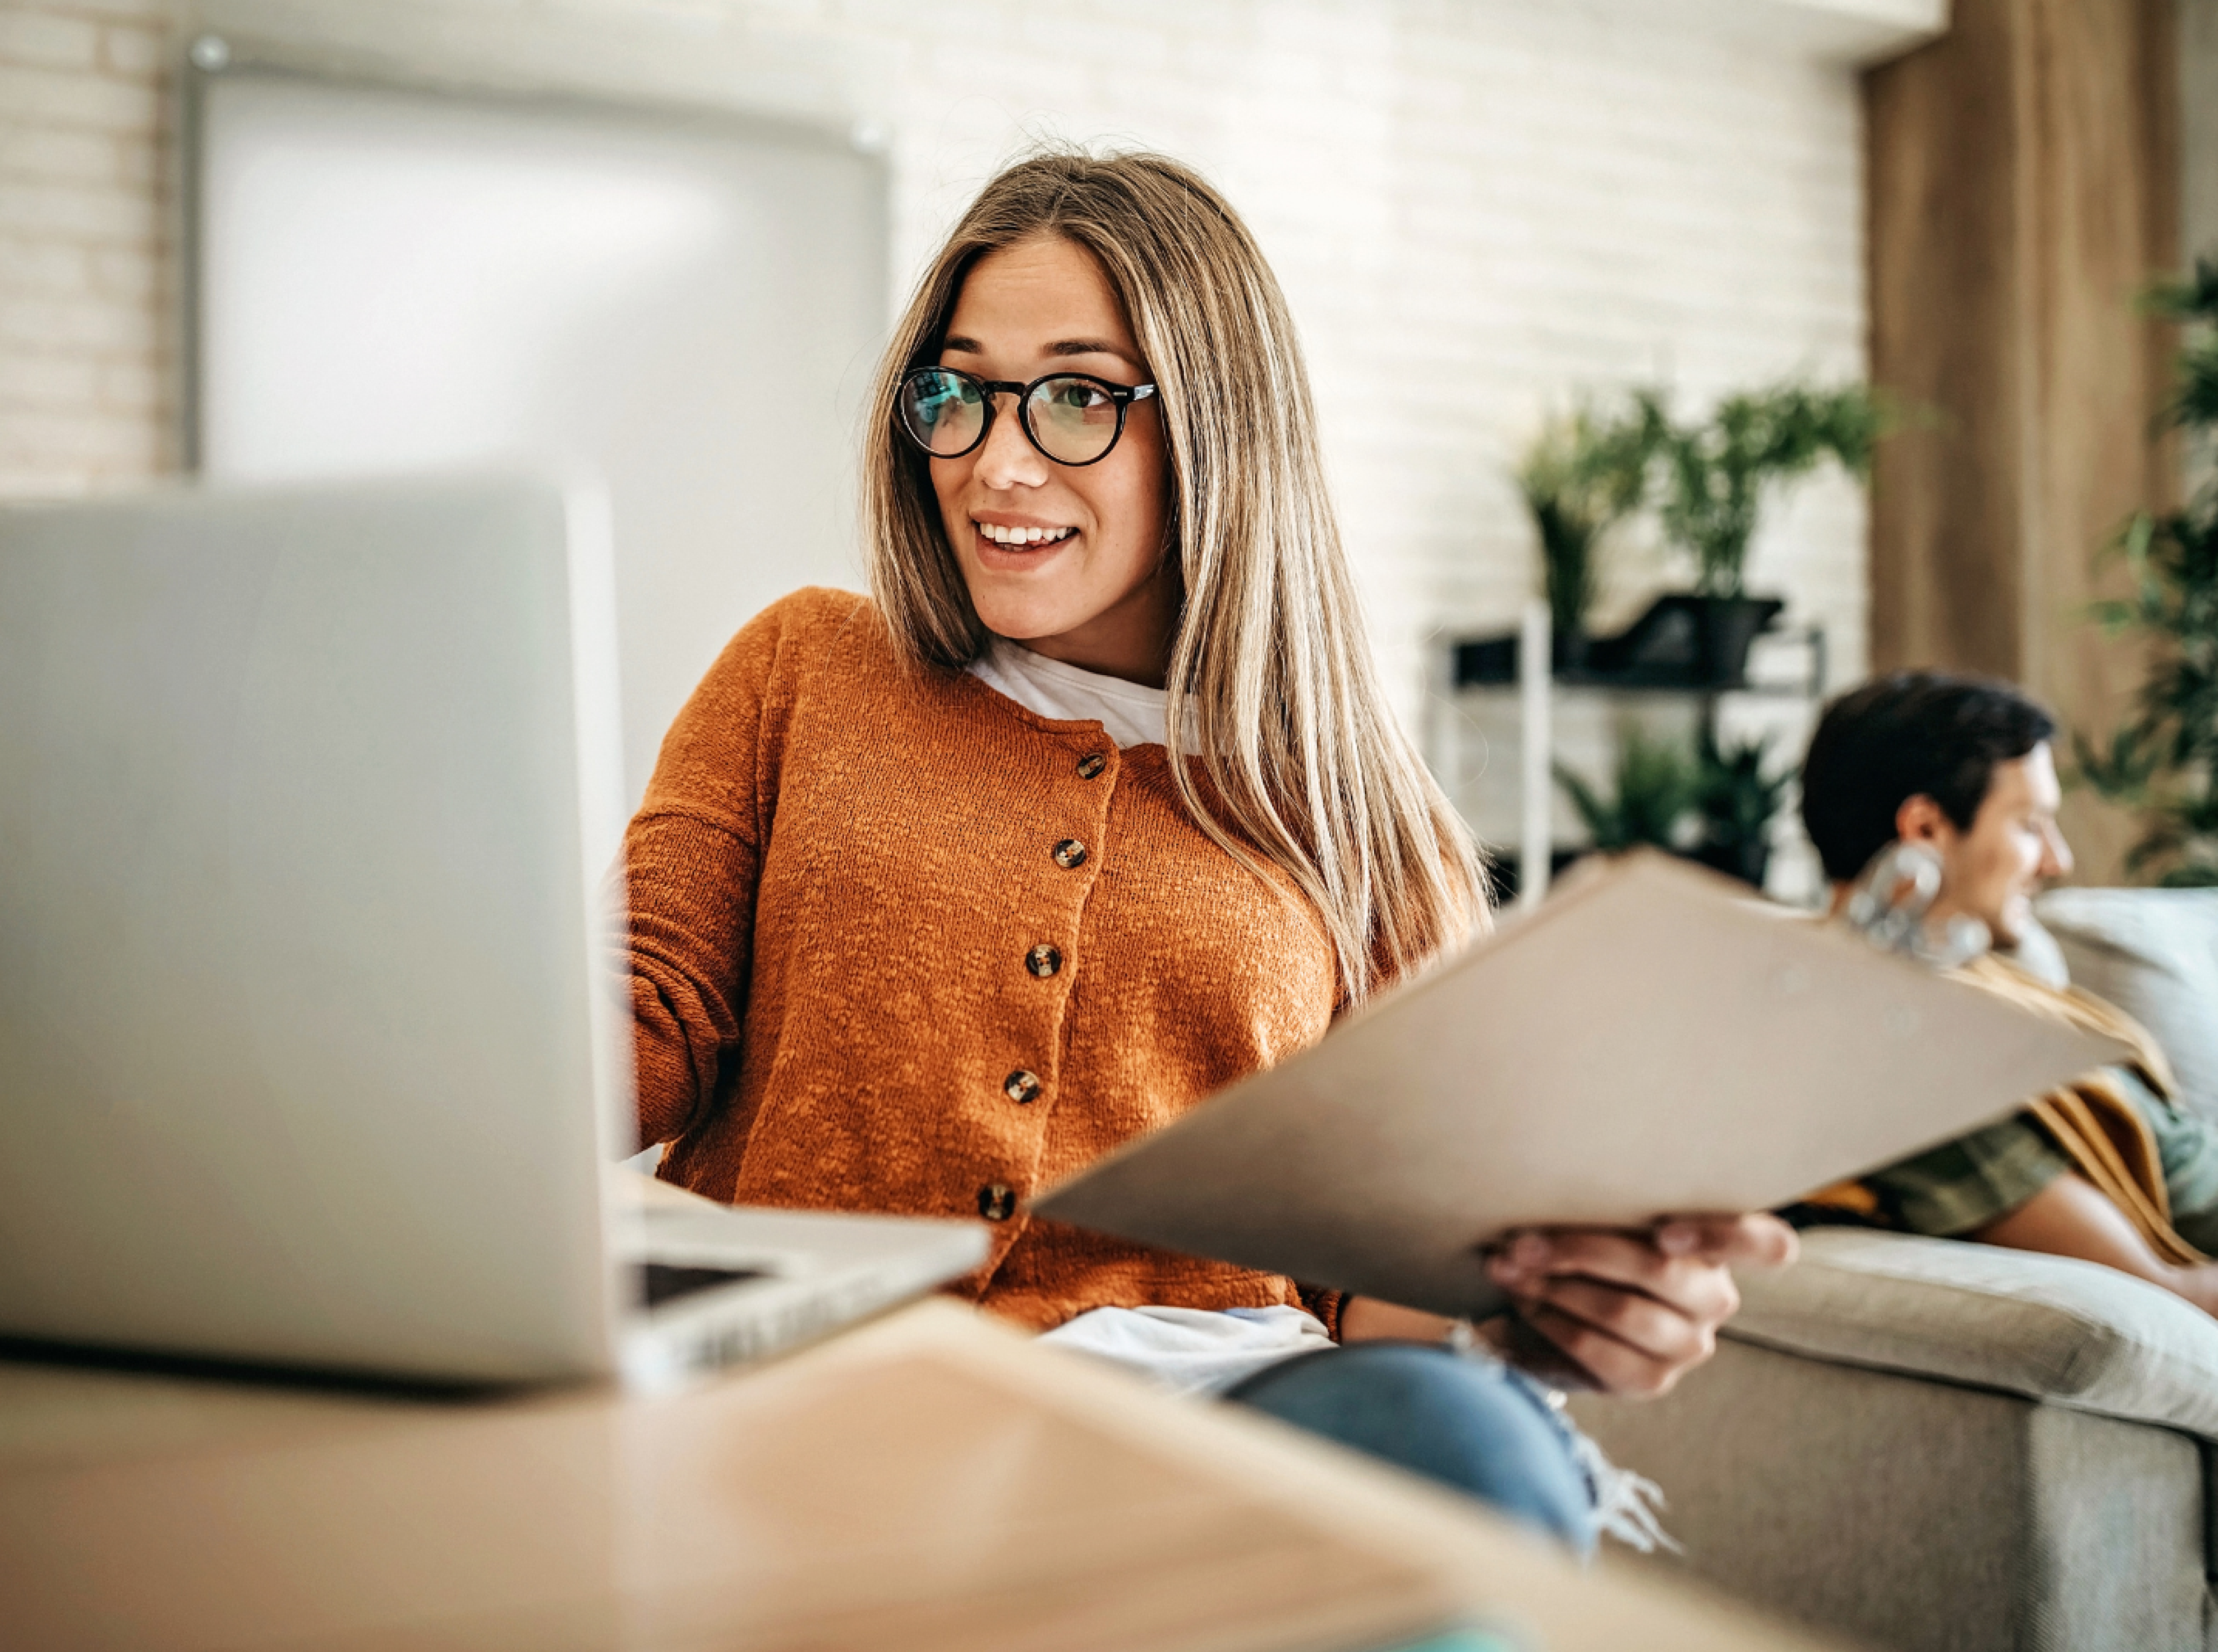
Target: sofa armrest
[(2050, 1328)]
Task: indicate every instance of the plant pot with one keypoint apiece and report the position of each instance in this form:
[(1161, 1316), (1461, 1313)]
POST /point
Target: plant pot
[(1495, 659), (1728, 626), (1486, 659), (1683, 642)]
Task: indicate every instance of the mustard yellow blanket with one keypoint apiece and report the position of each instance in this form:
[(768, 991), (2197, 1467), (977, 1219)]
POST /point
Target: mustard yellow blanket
[(2091, 1120)]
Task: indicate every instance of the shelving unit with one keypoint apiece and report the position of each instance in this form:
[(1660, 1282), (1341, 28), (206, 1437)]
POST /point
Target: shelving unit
[(1483, 745)]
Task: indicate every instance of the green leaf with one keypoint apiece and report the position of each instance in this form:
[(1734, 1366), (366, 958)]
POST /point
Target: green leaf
[(1656, 789), (1581, 474), (1716, 475), (2161, 761), (1601, 819)]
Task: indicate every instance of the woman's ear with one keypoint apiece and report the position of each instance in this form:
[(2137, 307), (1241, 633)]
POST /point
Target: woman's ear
[(1920, 820)]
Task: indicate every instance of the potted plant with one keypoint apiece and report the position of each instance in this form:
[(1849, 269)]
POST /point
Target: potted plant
[(1738, 801), (1580, 475), (2164, 762), (1713, 477), (1657, 789), (1715, 805), (1709, 482)]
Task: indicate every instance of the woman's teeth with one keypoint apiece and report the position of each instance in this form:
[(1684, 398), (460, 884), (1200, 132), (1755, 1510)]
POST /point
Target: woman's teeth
[(1025, 535)]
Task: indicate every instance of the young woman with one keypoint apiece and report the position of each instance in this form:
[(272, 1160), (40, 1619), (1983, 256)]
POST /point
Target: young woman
[(927, 913)]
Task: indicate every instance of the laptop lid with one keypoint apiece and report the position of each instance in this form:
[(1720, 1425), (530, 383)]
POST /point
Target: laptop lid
[(306, 797)]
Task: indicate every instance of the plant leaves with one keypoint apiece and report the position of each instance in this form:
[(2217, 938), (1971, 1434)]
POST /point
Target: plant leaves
[(2163, 761)]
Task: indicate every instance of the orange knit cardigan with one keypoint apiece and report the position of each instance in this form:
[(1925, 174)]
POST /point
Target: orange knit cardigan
[(898, 944)]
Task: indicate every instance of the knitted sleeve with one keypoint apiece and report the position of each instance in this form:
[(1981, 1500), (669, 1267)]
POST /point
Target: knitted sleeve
[(690, 860), (1325, 1304)]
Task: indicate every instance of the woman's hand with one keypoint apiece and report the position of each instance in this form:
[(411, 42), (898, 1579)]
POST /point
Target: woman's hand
[(1625, 1312), (1628, 1313)]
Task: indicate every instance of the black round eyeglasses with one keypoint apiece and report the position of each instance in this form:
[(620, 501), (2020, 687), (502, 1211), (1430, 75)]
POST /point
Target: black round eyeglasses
[(1072, 418)]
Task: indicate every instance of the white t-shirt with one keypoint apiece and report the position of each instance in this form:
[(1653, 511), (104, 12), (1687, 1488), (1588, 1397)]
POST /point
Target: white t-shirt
[(1187, 1350), (1192, 1350), (1130, 713)]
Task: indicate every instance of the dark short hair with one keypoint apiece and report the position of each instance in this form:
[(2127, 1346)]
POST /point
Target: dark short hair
[(1905, 735)]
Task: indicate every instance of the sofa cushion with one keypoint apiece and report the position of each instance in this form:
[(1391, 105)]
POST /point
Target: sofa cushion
[(2074, 1333), (2154, 953)]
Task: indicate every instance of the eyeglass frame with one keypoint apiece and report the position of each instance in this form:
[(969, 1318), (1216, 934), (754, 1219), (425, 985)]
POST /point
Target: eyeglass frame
[(1123, 394)]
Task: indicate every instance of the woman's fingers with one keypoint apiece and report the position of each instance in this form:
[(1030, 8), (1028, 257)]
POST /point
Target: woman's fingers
[(1691, 1286), (1635, 1311), (1651, 1328), (1755, 1241), (1614, 1366)]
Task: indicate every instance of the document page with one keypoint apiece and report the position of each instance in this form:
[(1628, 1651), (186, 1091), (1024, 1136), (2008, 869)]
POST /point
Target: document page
[(1647, 1043)]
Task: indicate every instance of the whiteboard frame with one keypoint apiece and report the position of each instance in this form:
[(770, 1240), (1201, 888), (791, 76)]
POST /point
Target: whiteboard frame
[(246, 55)]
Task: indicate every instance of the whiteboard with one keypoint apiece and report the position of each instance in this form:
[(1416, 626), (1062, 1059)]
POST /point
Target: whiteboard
[(391, 280)]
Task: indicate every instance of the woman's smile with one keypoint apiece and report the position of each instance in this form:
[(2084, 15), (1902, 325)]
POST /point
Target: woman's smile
[(1012, 542)]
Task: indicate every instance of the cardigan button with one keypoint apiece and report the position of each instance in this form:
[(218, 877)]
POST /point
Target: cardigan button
[(997, 1202), (1021, 1086), (1091, 765), (1070, 854), (1044, 959)]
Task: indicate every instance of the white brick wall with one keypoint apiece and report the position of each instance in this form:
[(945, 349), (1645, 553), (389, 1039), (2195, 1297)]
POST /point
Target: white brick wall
[(86, 361), (1478, 208)]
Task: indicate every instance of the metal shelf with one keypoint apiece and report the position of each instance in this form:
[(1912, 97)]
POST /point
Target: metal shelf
[(1538, 742)]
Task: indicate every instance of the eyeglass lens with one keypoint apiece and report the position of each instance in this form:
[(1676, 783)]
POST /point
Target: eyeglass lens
[(944, 411), (1069, 418)]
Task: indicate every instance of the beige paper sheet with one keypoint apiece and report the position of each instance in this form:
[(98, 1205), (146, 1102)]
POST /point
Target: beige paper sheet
[(1648, 1043)]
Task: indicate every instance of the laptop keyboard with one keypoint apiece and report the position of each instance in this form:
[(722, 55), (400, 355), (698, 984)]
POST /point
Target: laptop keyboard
[(663, 1282)]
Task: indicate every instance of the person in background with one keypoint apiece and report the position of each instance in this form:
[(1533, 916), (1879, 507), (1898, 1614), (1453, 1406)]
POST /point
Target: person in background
[(2110, 1169), (1095, 806)]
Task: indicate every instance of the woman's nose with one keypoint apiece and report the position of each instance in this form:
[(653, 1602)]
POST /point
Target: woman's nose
[(1007, 460)]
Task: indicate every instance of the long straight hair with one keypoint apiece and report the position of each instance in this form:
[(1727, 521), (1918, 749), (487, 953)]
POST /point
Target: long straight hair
[(1270, 668)]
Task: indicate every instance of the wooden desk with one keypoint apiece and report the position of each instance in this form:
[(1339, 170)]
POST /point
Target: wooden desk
[(930, 1480)]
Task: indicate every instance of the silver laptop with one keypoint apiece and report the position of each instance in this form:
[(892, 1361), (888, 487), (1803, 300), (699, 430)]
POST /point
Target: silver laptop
[(313, 1042)]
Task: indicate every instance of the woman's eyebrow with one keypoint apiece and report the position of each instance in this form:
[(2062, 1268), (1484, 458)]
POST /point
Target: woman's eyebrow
[(1088, 347), (965, 346)]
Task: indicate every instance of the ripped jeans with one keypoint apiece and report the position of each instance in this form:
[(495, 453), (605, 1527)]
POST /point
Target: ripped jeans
[(1474, 1425)]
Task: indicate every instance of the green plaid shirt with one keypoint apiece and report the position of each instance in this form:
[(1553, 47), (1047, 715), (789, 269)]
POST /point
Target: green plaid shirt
[(1963, 1186)]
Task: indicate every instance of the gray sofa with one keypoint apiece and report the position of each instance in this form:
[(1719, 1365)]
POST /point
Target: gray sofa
[(1934, 1444)]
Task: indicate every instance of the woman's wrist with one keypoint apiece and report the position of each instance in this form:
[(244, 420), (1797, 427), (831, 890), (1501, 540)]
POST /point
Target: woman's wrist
[(1367, 1318)]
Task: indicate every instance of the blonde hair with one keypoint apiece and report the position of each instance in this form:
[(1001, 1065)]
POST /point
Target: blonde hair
[(1270, 667)]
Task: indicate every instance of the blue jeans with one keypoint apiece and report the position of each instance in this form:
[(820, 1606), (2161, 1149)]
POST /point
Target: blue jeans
[(1473, 1425)]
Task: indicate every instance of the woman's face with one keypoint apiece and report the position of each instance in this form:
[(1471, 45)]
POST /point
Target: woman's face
[(1103, 596)]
